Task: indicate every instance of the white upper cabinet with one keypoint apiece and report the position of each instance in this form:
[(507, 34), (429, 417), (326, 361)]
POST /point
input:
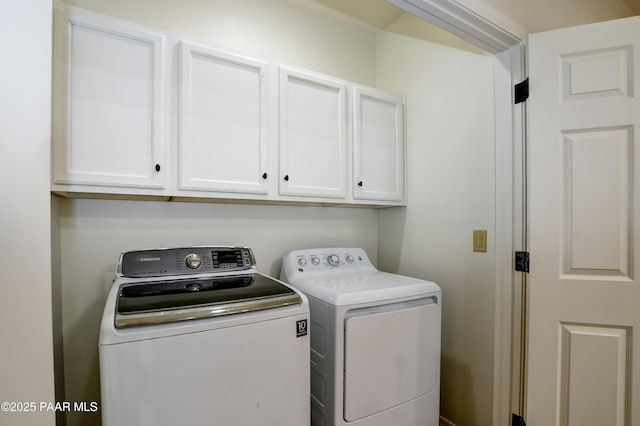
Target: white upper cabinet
[(138, 113), (378, 145), (223, 122), (109, 110), (312, 135)]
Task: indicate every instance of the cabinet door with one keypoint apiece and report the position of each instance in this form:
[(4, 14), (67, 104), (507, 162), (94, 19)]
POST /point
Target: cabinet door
[(313, 141), (223, 122), (378, 145), (109, 104)]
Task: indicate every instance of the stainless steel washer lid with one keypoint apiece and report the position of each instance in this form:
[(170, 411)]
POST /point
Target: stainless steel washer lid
[(203, 297)]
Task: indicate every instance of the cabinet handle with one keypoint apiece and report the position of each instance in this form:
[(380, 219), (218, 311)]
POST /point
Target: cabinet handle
[(157, 167), (360, 184), (264, 176), (286, 178)]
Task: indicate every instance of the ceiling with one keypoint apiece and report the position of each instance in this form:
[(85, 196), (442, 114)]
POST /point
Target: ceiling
[(634, 5), (377, 13), (380, 14)]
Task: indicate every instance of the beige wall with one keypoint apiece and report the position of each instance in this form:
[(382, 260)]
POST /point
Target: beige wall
[(276, 31), (94, 232), (450, 172), (90, 234), (273, 30), (451, 192), (26, 354)]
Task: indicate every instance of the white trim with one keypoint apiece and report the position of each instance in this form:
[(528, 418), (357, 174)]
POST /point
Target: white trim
[(504, 208), (475, 27), (509, 70), (520, 231)]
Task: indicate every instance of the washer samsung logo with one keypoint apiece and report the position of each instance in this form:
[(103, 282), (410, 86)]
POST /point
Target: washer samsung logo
[(149, 259)]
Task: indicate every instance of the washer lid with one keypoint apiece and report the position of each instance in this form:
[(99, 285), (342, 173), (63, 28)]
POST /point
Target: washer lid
[(178, 300), (344, 289)]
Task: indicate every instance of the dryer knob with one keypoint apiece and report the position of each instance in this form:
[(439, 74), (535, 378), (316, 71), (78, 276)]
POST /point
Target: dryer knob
[(193, 261), (333, 260)]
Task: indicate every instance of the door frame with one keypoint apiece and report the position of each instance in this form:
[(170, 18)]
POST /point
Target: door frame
[(510, 321), (488, 30)]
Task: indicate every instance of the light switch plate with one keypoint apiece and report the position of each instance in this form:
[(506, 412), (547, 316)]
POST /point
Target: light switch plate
[(480, 240)]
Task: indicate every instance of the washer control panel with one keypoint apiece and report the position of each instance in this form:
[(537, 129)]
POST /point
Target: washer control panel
[(184, 261), (326, 258)]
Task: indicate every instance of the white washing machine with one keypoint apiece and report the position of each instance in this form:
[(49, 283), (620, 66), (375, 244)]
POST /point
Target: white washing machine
[(196, 336), (375, 340)]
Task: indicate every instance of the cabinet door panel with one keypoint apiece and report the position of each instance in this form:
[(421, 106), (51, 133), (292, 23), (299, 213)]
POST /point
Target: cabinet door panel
[(378, 140), (223, 122), (312, 135), (109, 115)]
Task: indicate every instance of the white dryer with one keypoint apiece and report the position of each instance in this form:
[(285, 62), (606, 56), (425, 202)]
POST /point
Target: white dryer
[(196, 336), (375, 340)]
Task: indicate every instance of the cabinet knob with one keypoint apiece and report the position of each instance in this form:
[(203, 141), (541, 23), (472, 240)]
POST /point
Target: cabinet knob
[(360, 183), (286, 178), (264, 176), (157, 167)]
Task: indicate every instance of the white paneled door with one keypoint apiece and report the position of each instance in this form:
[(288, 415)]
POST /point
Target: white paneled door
[(584, 359)]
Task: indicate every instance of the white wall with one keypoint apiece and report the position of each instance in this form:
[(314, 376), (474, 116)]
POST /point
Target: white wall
[(26, 350), (451, 192)]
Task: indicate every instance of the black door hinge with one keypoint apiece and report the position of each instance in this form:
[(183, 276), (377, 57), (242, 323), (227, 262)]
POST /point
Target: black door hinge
[(521, 92), (517, 420), (522, 261)]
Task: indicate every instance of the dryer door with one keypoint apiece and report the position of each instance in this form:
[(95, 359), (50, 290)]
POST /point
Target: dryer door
[(392, 355)]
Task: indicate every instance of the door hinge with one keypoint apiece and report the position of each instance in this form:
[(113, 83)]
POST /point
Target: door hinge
[(522, 261), (517, 420), (521, 91)]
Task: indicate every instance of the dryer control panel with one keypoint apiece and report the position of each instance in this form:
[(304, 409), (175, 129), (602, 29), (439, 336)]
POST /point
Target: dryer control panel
[(184, 261), (326, 259)]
